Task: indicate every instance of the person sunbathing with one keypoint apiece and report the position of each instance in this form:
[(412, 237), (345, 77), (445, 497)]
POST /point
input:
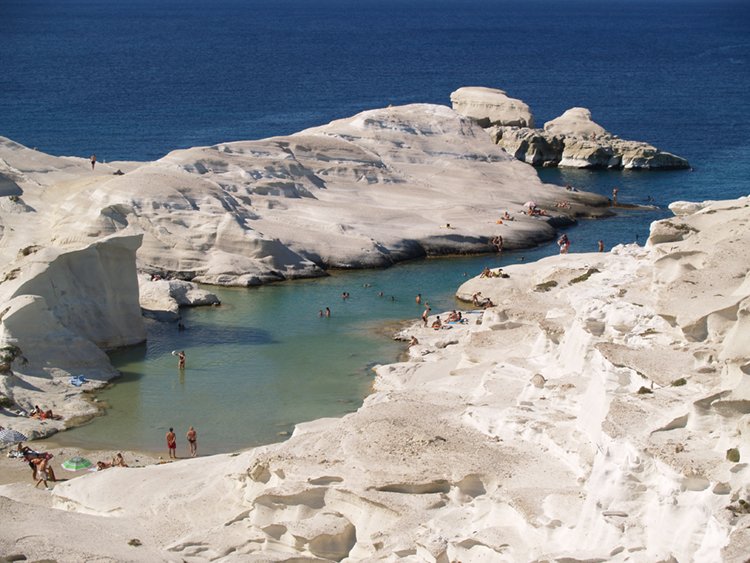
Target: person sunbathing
[(437, 324), (100, 465), (118, 461), (49, 415)]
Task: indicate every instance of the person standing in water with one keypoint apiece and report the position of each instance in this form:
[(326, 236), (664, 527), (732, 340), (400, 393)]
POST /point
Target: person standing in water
[(181, 359), (192, 438), (172, 444), (564, 243)]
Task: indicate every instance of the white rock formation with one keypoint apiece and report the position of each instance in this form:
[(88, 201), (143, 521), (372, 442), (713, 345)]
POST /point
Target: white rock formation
[(60, 310), (366, 191), (489, 106), (161, 299), (572, 140), (597, 412), (575, 122)]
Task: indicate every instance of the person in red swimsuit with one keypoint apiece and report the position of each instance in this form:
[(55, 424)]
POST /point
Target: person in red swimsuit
[(172, 444)]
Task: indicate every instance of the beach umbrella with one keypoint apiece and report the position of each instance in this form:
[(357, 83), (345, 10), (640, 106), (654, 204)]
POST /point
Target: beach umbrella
[(530, 204), (10, 436), (76, 463)]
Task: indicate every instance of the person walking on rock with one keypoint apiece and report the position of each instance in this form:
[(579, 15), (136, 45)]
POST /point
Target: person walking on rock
[(41, 472), (93, 161)]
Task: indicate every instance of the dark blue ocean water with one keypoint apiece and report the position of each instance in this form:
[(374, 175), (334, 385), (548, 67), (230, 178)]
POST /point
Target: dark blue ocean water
[(137, 79)]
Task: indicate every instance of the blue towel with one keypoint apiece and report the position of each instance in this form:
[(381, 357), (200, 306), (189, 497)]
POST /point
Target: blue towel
[(77, 380)]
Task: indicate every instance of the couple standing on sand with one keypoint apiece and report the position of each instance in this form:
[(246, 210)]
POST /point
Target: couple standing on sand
[(192, 438)]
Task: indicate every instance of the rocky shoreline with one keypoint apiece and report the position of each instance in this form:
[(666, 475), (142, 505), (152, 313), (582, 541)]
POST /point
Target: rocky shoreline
[(572, 140), (89, 249), (596, 411), (590, 415)]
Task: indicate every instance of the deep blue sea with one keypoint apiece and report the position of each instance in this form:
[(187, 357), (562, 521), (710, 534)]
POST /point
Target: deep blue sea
[(134, 80)]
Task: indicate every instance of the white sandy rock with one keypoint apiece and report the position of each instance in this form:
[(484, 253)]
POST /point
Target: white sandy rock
[(61, 310), (489, 106), (367, 191), (574, 140), (460, 454), (162, 299), (575, 122)]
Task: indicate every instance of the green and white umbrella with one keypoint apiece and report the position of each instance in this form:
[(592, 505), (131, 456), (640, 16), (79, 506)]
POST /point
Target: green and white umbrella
[(76, 463)]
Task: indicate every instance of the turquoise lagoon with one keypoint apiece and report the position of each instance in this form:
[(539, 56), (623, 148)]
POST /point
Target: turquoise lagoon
[(265, 360)]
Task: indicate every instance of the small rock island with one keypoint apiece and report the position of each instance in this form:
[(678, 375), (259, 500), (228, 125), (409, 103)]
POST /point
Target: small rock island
[(573, 140)]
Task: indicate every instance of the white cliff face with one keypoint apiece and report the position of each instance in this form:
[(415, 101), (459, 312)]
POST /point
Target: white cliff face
[(489, 106), (598, 411), (367, 191), (62, 309)]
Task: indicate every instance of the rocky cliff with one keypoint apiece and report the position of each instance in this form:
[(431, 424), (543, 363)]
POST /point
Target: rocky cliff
[(382, 186), (60, 310), (572, 140)]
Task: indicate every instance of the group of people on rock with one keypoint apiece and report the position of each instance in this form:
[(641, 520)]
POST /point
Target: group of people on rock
[(488, 273), (117, 461), (479, 301)]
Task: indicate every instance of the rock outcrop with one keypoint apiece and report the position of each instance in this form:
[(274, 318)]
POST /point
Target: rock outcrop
[(380, 187), (489, 106), (62, 309), (572, 140), (162, 299)]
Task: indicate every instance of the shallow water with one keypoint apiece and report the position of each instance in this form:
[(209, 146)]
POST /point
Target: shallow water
[(266, 360)]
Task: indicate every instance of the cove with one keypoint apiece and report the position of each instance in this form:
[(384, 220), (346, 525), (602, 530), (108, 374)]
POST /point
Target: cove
[(265, 361)]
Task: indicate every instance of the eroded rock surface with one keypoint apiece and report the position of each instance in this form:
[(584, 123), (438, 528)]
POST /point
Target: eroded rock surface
[(61, 309), (603, 394), (368, 191), (572, 140), (489, 106)]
